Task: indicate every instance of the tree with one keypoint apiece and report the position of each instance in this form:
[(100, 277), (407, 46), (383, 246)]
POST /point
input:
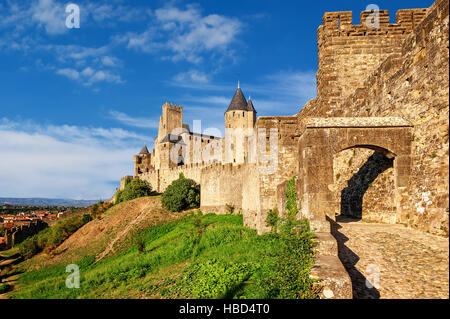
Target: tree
[(181, 194), (134, 189)]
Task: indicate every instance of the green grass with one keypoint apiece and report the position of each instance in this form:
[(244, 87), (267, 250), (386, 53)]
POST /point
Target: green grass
[(208, 256), (10, 252)]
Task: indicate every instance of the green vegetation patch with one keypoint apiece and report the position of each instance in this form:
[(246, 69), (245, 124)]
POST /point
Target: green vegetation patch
[(51, 237), (181, 194), (134, 189), (198, 256)]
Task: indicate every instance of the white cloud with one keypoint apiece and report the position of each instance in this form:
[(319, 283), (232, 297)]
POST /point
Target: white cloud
[(26, 23), (89, 76), (192, 76), (70, 73), (186, 34), (170, 32), (209, 100), (110, 61), (133, 121), (64, 161), (109, 13), (50, 15)]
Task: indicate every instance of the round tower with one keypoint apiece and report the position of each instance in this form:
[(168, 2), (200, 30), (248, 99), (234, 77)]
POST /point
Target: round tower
[(240, 118), (240, 113)]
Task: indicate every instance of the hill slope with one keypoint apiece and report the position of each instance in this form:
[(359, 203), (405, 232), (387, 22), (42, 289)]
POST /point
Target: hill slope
[(139, 250), (112, 232)]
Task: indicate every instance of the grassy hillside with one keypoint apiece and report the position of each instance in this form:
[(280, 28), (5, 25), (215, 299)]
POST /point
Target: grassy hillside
[(195, 256)]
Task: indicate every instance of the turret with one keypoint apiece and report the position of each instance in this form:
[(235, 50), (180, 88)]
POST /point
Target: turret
[(240, 119), (240, 113)]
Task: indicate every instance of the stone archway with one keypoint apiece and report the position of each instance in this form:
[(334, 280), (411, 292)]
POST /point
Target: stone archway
[(364, 181), (321, 138)]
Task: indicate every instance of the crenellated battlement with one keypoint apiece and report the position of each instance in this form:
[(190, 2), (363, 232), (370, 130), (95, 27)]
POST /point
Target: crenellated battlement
[(349, 53), (173, 106), (342, 21)]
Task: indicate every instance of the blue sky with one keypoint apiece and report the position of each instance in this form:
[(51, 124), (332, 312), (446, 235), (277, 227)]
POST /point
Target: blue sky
[(76, 104)]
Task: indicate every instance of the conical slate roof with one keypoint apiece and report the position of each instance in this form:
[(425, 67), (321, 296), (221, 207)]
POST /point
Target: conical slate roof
[(250, 105), (238, 103), (144, 150)]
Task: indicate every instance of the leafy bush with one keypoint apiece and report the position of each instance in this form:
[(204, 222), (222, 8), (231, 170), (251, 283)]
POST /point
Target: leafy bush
[(291, 198), (51, 237), (272, 219), (134, 189), (181, 194), (290, 278), (86, 218), (217, 279), (29, 248), (98, 209)]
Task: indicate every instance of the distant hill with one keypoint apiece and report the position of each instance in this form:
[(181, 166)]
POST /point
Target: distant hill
[(46, 202)]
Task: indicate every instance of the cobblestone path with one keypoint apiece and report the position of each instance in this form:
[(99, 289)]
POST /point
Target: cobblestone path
[(411, 263)]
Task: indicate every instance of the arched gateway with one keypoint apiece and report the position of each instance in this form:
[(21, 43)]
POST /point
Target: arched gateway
[(321, 138)]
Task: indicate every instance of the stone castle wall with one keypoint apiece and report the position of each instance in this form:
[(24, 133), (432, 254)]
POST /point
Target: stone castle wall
[(161, 178), (348, 53), (19, 233), (411, 83), (398, 70)]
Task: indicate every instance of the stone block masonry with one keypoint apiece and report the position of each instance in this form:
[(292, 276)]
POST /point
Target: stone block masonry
[(374, 141)]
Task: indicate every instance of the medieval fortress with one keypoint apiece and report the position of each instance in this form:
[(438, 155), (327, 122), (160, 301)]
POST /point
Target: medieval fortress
[(373, 144)]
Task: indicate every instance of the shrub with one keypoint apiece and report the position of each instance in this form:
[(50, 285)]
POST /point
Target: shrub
[(98, 209), (29, 248), (181, 194), (134, 189), (291, 198), (290, 279), (217, 279), (51, 237), (272, 219), (86, 218)]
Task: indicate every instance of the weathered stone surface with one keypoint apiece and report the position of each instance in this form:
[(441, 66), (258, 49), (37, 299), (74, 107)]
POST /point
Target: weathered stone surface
[(333, 278), (405, 263), (374, 144)]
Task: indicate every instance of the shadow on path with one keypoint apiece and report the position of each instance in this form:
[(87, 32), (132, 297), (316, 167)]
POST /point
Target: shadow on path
[(352, 195), (349, 259)]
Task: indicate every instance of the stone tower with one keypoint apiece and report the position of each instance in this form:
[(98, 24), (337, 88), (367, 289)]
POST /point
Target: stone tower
[(240, 119), (172, 118), (240, 113)]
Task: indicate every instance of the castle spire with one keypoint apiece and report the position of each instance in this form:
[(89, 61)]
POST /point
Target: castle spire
[(238, 103), (144, 150), (239, 85), (250, 106)]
